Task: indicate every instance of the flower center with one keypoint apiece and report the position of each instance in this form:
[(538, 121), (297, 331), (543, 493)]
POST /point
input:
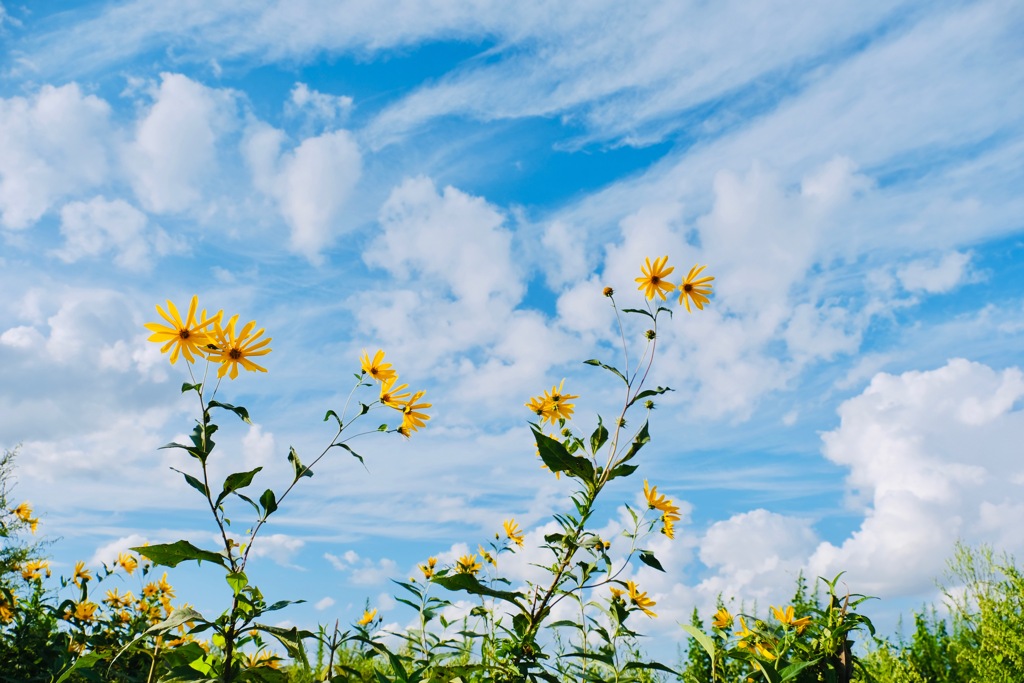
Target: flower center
[(687, 287), (655, 279), (235, 354), (184, 334)]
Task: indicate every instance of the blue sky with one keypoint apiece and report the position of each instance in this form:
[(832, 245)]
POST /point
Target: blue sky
[(456, 184)]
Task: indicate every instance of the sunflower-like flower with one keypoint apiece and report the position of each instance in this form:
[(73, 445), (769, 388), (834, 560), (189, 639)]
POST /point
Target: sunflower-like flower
[(428, 568), (639, 599), (368, 617), (722, 618), (393, 396), (654, 280), (237, 347), (412, 418), (694, 289), (85, 610), (128, 562), (787, 617), (467, 564), (377, 368), (81, 574), (165, 588), (513, 532), (24, 513), (33, 570), (187, 337), (553, 405)]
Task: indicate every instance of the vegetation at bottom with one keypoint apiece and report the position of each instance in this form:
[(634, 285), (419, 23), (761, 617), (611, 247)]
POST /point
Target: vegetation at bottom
[(580, 617)]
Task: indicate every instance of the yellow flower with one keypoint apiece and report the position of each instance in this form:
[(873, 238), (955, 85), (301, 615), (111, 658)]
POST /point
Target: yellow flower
[(261, 659), (786, 616), (148, 591), (367, 618), (692, 289), (640, 599), (553, 405), (377, 368), (668, 525), (7, 608), (392, 396), (81, 574), (24, 513), (764, 651), (743, 634), (467, 564), (722, 618), (487, 556), (653, 280), (233, 349), (617, 593), (513, 532), (32, 570), (412, 419), (165, 587), (428, 568), (128, 561), (85, 610), (655, 501), (188, 337), (115, 599)]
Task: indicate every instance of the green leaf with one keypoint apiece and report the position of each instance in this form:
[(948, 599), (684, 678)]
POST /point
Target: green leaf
[(237, 581), (651, 665), (269, 502), (354, 454), (641, 439), (300, 469), (330, 414), (649, 392), (599, 437), (193, 482), (622, 471), (84, 662), (648, 558), (172, 554), (291, 638), (241, 412), (554, 455), (470, 584), (702, 639), (615, 371), (178, 617), (190, 387), (236, 481), (638, 310), (794, 669)]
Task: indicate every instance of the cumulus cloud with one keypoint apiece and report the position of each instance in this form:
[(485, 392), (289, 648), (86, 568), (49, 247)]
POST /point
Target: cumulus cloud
[(317, 107), (935, 276), (932, 457), (55, 142), (174, 153), (363, 571), (93, 228), (309, 184)]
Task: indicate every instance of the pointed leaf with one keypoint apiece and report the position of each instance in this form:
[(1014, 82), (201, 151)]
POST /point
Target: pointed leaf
[(638, 310), (241, 412), (649, 392), (300, 469), (470, 584), (639, 441), (615, 371), (554, 455), (648, 558), (237, 581), (599, 437), (330, 414), (269, 502), (193, 482), (622, 471), (236, 481), (702, 639), (172, 554)]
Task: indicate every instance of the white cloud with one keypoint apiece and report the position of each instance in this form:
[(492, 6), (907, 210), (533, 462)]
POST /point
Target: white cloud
[(323, 603), (174, 154), (22, 337), (932, 457), (92, 228), (55, 143), (280, 548), (310, 184), (108, 552), (363, 571), (319, 108), (935, 276)]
